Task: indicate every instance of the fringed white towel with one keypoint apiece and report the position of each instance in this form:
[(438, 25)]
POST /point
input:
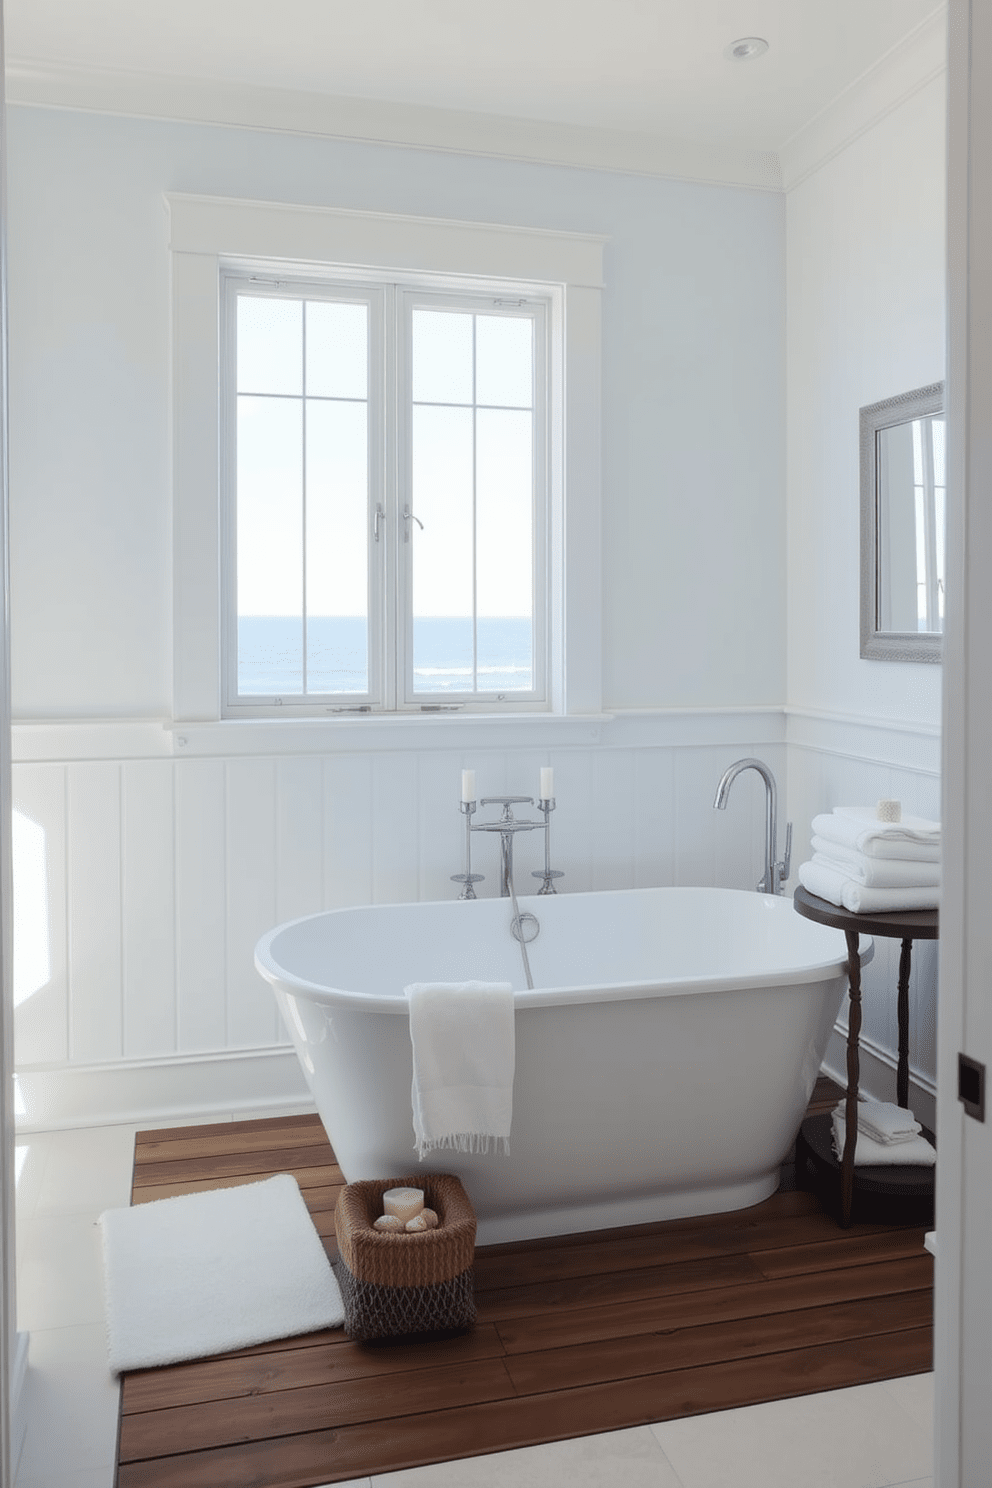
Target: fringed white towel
[(917, 1153), (857, 828), (837, 888), (463, 1057)]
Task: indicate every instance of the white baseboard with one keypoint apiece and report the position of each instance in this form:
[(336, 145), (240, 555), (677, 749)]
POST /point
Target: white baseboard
[(878, 1075), (150, 1091), (18, 1400)]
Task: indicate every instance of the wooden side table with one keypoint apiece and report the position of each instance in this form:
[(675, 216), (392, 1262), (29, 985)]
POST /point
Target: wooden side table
[(906, 926)]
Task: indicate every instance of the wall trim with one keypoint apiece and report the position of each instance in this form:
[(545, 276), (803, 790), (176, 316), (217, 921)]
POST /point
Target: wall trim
[(867, 720), (371, 121), (910, 745), (159, 1091), (147, 1091), (64, 741), (911, 65)]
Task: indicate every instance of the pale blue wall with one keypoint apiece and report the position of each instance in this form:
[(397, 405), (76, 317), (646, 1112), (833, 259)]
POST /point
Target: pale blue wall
[(693, 436)]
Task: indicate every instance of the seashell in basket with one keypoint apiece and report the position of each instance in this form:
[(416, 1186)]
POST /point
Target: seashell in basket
[(390, 1223)]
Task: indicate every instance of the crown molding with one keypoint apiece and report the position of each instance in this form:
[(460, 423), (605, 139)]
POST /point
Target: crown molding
[(369, 121), (919, 59)]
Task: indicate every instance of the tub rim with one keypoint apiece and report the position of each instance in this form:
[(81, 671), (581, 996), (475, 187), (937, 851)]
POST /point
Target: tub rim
[(282, 979)]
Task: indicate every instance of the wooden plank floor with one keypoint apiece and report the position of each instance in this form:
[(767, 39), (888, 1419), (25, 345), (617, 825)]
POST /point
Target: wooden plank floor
[(579, 1334)]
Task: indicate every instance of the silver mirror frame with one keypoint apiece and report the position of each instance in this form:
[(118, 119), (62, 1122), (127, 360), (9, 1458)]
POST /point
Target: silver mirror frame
[(888, 645)]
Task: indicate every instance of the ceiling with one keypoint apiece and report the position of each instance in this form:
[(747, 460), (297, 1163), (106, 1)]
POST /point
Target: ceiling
[(656, 67)]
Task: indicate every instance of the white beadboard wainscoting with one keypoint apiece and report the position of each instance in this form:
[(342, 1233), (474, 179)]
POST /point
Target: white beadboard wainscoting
[(150, 859), (833, 761)]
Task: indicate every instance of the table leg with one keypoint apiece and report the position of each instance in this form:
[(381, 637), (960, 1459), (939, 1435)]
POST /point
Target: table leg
[(902, 1005), (853, 1077)]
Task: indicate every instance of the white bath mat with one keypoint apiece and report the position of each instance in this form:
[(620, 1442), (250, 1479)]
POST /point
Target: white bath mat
[(206, 1272)]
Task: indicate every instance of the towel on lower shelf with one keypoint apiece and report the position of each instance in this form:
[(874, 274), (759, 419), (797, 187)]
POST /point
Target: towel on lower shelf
[(836, 887), (886, 1122), (463, 1059), (918, 1153), (877, 873), (856, 828)]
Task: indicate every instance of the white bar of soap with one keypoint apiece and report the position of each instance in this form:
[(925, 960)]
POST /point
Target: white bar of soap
[(405, 1203), (418, 1222)]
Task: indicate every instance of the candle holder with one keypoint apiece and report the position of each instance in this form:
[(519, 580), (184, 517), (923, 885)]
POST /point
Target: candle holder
[(468, 878), (548, 874)]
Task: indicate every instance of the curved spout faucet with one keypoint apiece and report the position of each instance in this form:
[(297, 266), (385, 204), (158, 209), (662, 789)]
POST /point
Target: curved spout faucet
[(776, 872)]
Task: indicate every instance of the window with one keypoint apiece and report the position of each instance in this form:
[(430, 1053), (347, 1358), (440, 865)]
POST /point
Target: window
[(403, 278), (386, 481)]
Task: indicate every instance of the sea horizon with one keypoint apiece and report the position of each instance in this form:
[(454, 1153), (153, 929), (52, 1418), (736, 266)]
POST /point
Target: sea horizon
[(270, 655)]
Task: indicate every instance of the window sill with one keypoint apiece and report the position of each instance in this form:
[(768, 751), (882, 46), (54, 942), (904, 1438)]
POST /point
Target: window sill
[(344, 734)]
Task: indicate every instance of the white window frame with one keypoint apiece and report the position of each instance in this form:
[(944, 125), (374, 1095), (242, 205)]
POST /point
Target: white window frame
[(391, 303), (206, 232)]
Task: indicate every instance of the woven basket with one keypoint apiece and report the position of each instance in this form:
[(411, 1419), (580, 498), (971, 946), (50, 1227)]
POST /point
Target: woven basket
[(396, 1284)]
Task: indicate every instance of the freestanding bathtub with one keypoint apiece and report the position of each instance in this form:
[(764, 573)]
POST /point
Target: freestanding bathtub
[(664, 1059)]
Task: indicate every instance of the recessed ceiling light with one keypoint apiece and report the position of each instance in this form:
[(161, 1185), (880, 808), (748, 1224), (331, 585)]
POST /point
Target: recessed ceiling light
[(746, 48)]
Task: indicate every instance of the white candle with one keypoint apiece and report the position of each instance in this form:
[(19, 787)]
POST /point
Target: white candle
[(468, 785), (405, 1203), (547, 782)]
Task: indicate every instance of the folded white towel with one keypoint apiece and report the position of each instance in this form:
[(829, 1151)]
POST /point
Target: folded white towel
[(916, 828), (877, 873), (918, 1153), (837, 888), (885, 1122), (463, 1059), (860, 833)]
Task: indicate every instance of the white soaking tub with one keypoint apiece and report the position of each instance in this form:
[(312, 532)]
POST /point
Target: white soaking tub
[(664, 1059)]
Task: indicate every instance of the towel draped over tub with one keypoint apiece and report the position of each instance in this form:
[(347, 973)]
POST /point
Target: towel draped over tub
[(463, 1060)]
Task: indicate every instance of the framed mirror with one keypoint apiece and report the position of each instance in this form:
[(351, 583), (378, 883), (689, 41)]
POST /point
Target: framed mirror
[(903, 489)]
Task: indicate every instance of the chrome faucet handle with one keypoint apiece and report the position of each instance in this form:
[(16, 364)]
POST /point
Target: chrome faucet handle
[(787, 860), (779, 871), (507, 801)]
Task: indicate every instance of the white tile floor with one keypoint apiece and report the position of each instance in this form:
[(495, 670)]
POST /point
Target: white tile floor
[(872, 1436)]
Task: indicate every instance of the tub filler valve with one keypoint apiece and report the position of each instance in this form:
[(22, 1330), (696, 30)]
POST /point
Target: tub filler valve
[(507, 826)]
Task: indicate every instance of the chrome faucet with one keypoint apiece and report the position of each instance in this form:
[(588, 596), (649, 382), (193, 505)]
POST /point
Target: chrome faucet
[(775, 873)]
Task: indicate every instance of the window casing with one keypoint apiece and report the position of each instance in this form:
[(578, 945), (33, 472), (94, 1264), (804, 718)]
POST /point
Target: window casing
[(210, 236)]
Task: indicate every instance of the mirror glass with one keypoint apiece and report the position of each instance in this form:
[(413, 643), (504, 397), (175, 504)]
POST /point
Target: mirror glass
[(903, 486)]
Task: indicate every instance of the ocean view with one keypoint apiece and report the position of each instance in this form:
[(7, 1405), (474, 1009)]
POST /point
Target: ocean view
[(270, 655)]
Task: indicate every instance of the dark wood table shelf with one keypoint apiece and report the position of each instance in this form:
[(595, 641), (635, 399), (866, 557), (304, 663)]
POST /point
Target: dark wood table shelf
[(905, 926)]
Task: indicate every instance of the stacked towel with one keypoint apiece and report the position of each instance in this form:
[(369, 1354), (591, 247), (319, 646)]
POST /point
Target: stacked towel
[(463, 1060), (884, 1121), (887, 1136), (869, 866), (858, 828)]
